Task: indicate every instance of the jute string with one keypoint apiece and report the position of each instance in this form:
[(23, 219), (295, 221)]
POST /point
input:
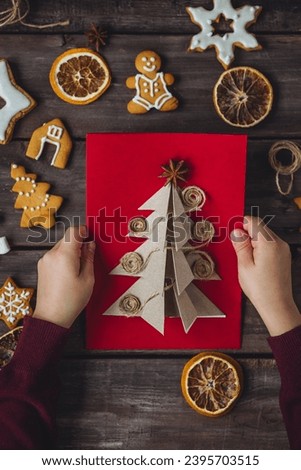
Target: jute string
[(130, 305), (287, 170), (18, 12)]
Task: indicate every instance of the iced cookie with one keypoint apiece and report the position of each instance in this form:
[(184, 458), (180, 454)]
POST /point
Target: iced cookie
[(150, 85), (53, 132), (39, 207), (224, 45), (14, 302), (16, 102)]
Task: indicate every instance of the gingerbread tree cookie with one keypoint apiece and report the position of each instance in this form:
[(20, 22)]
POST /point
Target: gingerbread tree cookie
[(150, 85), (39, 207), (240, 19), (14, 302)]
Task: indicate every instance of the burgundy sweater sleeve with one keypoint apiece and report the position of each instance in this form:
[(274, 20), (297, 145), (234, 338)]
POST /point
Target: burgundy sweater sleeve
[(29, 388), (287, 351)]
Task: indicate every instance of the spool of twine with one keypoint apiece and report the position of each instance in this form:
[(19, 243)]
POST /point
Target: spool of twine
[(203, 231), (193, 198), (130, 305), (17, 13), (286, 170), (203, 267), (132, 262), (138, 225)]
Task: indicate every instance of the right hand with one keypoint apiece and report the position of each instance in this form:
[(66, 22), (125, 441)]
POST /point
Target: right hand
[(264, 269)]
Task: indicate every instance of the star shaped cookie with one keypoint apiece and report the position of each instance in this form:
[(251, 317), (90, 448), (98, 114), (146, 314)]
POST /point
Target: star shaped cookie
[(14, 302), (241, 18), (17, 102)]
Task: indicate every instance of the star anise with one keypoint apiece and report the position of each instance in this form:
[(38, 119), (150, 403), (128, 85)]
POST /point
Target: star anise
[(96, 37), (173, 172)]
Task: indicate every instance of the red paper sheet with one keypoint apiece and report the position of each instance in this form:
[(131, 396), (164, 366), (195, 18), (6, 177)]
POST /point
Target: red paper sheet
[(122, 173)]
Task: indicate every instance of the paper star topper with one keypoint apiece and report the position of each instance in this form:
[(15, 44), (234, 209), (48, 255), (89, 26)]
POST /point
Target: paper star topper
[(241, 18), (14, 302), (17, 102)]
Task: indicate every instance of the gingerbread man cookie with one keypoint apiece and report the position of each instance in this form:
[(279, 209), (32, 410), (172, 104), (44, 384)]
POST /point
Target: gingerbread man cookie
[(150, 85), (17, 102), (39, 207), (224, 45), (53, 132), (14, 302)]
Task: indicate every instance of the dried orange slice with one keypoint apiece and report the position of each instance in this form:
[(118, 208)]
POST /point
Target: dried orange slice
[(243, 97), (79, 76), (211, 383)]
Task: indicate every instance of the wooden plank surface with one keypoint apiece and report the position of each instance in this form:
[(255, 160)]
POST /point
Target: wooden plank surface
[(132, 400), (151, 16), (137, 404), (195, 74)]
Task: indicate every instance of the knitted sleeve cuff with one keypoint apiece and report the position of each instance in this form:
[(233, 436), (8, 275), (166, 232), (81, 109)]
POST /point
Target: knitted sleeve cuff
[(40, 345), (287, 352)]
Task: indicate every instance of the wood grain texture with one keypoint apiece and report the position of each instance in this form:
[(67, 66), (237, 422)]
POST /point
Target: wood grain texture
[(132, 399), (150, 16), (195, 74), (137, 404)]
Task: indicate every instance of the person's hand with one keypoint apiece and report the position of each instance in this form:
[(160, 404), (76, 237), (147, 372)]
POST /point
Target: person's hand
[(264, 269), (65, 278)]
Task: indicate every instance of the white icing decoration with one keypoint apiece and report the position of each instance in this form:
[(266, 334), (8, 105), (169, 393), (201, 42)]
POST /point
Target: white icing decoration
[(148, 104), (13, 304), (18, 178), (32, 209), (144, 59), (224, 47), (15, 166), (149, 68), (21, 193), (22, 178), (152, 59), (27, 179), (4, 246), (25, 208), (15, 100)]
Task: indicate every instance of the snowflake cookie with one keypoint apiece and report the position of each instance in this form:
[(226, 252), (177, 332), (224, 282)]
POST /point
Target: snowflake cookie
[(240, 19), (14, 302)]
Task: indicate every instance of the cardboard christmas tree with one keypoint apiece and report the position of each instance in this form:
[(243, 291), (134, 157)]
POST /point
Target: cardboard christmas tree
[(170, 259)]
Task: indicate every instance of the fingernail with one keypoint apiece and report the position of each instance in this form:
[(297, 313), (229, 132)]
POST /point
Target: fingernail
[(237, 235)]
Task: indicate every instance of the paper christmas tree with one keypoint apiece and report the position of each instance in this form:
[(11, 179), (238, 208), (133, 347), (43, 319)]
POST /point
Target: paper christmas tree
[(171, 258)]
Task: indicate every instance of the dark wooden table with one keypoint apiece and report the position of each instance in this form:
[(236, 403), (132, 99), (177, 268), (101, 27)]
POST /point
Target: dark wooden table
[(132, 400)]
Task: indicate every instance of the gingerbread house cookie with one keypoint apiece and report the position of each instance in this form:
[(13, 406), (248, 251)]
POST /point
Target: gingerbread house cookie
[(55, 133)]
